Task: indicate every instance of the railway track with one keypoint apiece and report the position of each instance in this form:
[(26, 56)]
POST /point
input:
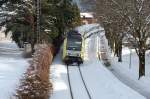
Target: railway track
[(83, 82), (69, 82)]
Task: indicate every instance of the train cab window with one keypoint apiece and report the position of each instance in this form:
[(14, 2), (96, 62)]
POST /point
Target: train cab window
[(74, 41), (74, 45)]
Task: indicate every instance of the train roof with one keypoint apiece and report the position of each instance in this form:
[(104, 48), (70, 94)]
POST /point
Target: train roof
[(74, 34)]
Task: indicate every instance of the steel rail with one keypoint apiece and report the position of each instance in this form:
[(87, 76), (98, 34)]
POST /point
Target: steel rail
[(81, 74), (69, 82)]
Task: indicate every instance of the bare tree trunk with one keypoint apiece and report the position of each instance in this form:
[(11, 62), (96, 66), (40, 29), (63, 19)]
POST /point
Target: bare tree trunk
[(141, 63), (120, 52)]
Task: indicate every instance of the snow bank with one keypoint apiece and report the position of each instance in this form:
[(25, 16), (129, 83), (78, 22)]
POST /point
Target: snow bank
[(103, 84), (129, 73), (59, 79), (12, 67), (87, 28)]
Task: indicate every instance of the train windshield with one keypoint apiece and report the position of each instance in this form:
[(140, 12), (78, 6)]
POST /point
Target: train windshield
[(74, 44)]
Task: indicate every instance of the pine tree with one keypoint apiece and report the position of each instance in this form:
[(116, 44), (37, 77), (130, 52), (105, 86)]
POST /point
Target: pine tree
[(22, 21), (66, 16), (56, 18)]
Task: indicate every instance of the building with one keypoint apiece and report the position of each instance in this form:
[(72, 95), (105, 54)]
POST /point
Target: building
[(87, 18)]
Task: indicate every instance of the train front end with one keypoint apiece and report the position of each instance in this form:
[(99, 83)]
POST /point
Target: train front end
[(73, 47)]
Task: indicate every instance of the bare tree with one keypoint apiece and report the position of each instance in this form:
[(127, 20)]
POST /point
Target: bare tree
[(113, 25), (133, 18)]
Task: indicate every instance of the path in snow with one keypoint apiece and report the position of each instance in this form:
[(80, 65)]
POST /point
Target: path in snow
[(12, 67), (131, 83)]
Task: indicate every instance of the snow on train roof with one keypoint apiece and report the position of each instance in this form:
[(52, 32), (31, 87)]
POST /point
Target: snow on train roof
[(73, 33)]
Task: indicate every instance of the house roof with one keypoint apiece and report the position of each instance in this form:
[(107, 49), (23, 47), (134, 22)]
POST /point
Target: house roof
[(86, 15)]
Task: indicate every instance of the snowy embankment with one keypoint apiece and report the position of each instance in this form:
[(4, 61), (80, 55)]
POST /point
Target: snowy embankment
[(100, 82), (12, 67), (127, 71), (59, 79)]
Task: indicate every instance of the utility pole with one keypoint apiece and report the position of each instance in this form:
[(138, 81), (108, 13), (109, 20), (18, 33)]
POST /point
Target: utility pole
[(38, 21)]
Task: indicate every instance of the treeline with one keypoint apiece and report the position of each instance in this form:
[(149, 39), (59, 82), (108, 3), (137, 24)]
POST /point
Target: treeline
[(88, 5), (126, 19), (20, 18)]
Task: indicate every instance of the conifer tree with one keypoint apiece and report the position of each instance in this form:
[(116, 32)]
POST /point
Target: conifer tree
[(57, 16)]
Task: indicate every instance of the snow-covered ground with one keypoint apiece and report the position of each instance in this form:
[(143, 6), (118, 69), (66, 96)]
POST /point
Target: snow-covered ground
[(12, 67), (100, 82), (129, 73)]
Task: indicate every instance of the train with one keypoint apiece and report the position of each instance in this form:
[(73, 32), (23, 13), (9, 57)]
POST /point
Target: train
[(73, 48)]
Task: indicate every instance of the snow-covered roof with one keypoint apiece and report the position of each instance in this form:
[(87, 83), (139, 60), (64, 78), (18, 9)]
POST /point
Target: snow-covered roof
[(86, 15)]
